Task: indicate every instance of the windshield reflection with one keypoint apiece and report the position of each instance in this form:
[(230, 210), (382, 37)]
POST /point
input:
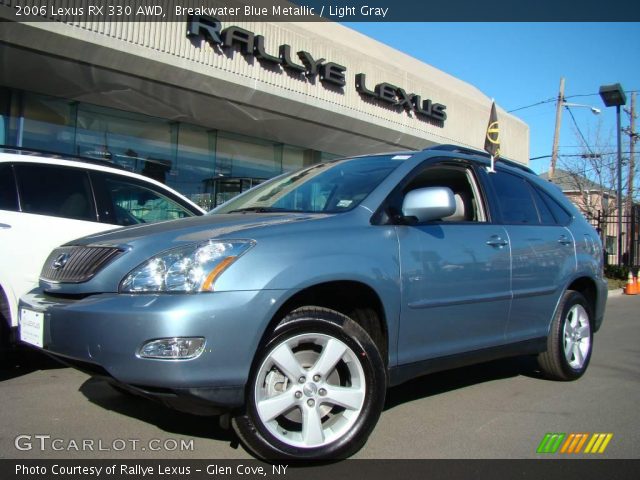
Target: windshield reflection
[(332, 187)]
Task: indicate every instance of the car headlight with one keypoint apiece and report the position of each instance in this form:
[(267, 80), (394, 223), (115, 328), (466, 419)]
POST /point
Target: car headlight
[(187, 269)]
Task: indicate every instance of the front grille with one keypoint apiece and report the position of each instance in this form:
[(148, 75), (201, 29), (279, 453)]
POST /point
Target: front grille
[(76, 264)]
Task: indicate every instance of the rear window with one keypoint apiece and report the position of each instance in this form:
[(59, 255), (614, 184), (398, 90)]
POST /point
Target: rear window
[(546, 217), (562, 216)]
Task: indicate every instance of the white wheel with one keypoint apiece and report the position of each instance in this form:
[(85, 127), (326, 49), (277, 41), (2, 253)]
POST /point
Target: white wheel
[(310, 390), (577, 337)]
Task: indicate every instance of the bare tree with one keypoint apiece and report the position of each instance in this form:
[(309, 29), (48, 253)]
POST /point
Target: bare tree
[(589, 178)]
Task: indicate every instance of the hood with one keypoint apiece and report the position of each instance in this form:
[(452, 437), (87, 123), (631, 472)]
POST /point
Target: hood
[(129, 247), (192, 230)]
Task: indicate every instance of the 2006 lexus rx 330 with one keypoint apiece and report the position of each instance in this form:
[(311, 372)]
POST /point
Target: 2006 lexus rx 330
[(295, 305)]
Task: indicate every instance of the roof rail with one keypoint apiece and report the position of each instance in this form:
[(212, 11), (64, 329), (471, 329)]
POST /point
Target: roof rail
[(471, 151), (457, 148), (61, 156)]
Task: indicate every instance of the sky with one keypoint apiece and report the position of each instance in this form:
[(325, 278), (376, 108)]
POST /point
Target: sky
[(520, 64)]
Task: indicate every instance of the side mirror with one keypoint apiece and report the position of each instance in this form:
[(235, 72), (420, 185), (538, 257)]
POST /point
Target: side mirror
[(430, 203)]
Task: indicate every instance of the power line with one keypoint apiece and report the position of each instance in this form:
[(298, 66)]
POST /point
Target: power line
[(597, 94), (578, 129), (548, 100), (553, 99), (584, 155), (590, 168), (580, 146), (608, 166)]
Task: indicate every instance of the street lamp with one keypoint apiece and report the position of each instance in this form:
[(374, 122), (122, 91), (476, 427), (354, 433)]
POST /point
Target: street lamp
[(613, 96), (594, 110)]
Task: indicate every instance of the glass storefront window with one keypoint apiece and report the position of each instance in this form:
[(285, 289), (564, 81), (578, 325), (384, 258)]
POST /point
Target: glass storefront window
[(292, 158), (208, 166), (240, 156), (48, 124), (5, 113), (133, 141), (194, 163), (326, 157)]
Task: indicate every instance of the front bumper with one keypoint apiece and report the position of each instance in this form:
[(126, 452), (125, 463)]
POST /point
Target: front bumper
[(103, 333)]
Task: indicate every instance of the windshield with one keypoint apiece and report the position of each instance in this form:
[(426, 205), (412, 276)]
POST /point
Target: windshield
[(331, 187)]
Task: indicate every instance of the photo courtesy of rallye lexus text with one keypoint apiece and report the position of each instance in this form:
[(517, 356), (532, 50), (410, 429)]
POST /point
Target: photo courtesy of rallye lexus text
[(294, 306), (123, 469)]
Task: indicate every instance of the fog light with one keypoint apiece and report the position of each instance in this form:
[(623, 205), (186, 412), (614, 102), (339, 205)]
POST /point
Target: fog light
[(176, 348)]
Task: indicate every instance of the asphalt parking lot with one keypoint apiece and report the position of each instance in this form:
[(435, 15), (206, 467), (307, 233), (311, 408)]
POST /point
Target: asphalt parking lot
[(500, 409)]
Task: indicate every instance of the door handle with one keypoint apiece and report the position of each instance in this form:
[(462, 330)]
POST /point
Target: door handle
[(4, 226), (563, 240), (496, 241)]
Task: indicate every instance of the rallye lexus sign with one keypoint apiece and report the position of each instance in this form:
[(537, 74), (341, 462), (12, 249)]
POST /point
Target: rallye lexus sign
[(329, 73)]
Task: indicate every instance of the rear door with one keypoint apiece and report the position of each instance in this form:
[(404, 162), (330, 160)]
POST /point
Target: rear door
[(543, 254)]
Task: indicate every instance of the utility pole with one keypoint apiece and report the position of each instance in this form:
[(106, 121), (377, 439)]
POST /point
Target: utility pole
[(556, 135), (633, 137)]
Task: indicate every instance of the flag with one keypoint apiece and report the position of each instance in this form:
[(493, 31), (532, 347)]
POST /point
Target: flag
[(492, 138)]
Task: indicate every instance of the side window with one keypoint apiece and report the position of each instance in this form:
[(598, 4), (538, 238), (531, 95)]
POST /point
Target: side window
[(560, 214), (514, 198), (131, 203), (462, 182), (8, 194), (546, 217), (55, 191)]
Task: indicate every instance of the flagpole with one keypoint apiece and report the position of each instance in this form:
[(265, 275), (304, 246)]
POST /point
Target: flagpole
[(492, 169), (492, 145)]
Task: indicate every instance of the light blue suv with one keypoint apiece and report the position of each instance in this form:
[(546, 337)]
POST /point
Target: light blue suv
[(295, 305)]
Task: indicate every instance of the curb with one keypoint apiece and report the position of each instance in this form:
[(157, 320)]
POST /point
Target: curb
[(618, 292)]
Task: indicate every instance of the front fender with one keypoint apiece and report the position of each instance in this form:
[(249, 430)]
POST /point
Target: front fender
[(367, 255)]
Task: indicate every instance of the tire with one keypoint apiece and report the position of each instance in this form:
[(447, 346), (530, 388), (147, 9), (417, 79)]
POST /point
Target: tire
[(570, 340), (316, 389), (6, 343), (6, 347), (5, 334)]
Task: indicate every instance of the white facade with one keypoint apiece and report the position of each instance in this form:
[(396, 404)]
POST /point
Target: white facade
[(157, 70)]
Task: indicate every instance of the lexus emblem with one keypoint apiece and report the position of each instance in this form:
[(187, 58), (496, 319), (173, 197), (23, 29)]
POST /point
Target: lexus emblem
[(60, 261)]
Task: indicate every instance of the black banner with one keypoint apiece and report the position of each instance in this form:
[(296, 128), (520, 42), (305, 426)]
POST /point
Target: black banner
[(318, 10), (348, 470)]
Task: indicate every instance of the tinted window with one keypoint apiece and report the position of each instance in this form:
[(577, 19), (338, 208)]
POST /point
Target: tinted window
[(515, 200), (561, 215), (8, 195), (132, 203), (546, 217), (56, 191)]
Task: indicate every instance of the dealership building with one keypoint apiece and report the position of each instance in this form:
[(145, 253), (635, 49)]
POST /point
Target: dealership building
[(212, 107)]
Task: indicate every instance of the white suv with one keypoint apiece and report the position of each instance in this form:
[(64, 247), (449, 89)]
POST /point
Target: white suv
[(45, 202)]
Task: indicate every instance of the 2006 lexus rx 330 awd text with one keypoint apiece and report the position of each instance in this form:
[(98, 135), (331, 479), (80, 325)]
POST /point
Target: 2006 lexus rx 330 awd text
[(295, 305)]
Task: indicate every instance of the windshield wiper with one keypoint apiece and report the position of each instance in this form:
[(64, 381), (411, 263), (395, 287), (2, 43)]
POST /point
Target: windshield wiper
[(260, 210)]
